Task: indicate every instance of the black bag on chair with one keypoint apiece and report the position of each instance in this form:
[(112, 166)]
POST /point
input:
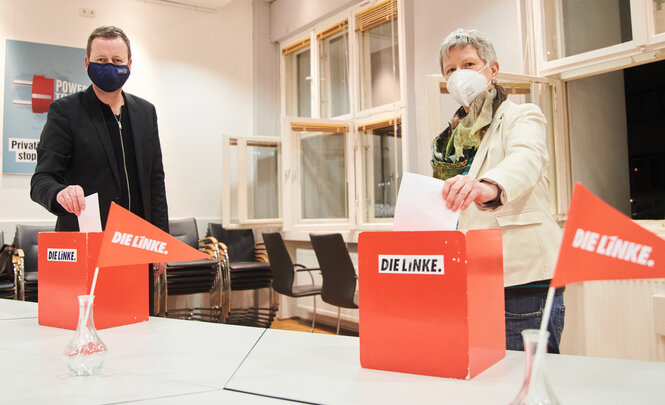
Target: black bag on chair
[(6, 266)]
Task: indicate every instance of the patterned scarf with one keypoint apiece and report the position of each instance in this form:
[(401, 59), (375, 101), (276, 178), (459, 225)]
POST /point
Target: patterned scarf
[(453, 150)]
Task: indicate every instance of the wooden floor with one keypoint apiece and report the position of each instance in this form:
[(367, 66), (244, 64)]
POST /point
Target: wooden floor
[(305, 325)]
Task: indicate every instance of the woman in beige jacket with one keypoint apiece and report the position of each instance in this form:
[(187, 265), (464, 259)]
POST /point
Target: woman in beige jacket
[(494, 159)]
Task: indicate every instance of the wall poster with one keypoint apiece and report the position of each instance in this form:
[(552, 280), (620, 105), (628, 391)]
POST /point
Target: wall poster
[(35, 75)]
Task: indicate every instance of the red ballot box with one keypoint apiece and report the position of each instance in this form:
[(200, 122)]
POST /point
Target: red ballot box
[(67, 263), (431, 302)]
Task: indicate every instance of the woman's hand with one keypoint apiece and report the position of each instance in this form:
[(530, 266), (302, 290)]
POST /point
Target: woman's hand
[(462, 190)]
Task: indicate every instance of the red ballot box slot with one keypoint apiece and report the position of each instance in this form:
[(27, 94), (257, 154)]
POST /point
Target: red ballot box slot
[(67, 263), (431, 302)]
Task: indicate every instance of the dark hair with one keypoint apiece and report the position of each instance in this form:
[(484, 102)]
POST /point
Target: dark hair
[(110, 32)]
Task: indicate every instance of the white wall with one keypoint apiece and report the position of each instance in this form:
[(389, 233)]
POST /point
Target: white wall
[(287, 17), (196, 67)]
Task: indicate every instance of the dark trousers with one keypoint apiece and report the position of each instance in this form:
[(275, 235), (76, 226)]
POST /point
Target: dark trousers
[(526, 312)]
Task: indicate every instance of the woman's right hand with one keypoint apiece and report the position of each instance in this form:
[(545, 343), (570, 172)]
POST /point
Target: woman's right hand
[(462, 190)]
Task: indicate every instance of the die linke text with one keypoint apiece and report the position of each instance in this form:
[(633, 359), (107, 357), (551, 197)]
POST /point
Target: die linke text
[(139, 241)]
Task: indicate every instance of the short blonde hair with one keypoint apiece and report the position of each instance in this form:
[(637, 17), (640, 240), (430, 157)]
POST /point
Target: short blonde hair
[(463, 37)]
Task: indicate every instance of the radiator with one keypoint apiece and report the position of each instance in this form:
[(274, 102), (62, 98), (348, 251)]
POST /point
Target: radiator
[(621, 319)]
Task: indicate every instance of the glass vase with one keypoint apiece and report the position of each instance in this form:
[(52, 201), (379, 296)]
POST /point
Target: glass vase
[(535, 389), (85, 353)]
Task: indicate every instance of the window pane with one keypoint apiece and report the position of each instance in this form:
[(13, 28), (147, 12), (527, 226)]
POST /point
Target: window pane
[(379, 65), (233, 182), (304, 87), (645, 95), (323, 168), (262, 182), (298, 84), (659, 16), (382, 162), (334, 65), (576, 26)]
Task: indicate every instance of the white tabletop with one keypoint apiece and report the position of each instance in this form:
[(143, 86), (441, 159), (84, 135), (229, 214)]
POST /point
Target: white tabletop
[(155, 359), (34, 379), (172, 361), (326, 369), (216, 397), (10, 309)]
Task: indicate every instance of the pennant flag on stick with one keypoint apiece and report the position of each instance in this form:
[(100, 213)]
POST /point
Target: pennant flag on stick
[(600, 243), (129, 239)]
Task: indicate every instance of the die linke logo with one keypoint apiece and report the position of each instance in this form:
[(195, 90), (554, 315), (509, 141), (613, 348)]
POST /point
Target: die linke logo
[(61, 255), (411, 264), (45, 90), (139, 242), (613, 246)]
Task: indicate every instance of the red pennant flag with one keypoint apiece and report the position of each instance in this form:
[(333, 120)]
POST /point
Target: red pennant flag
[(601, 243), (129, 239)]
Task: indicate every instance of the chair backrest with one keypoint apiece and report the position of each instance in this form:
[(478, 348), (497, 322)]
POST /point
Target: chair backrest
[(26, 239), (280, 263), (339, 274), (239, 242), (185, 230)]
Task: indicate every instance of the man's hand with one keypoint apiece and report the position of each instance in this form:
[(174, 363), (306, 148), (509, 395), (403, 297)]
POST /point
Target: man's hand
[(462, 190), (72, 199), (158, 269)]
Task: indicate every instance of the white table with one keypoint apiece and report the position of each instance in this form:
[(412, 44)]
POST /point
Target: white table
[(326, 369), (156, 359), (174, 362), (10, 309)]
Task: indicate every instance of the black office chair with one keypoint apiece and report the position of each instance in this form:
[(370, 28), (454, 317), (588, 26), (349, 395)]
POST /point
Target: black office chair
[(339, 274), (25, 243), (284, 271), (248, 270), (192, 277)]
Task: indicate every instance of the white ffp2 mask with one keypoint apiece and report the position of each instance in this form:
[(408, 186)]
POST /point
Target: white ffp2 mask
[(466, 84)]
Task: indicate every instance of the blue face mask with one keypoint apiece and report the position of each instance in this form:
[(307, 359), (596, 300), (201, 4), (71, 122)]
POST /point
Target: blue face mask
[(108, 77)]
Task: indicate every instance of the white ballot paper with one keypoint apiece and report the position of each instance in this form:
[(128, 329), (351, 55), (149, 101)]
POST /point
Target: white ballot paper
[(420, 206), (89, 220)]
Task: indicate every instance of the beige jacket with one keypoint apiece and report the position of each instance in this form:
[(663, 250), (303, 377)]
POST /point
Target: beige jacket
[(513, 154)]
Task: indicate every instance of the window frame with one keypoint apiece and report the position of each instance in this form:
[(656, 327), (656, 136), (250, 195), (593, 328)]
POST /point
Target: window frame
[(346, 30), (614, 57), (294, 227), (292, 180), (290, 94), (242, 142), (363, 221)]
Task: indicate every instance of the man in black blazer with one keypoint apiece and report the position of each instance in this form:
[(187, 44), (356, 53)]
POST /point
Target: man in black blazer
[(104, 141)]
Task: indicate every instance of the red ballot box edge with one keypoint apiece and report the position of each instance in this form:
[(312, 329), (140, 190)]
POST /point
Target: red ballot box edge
[(463, 350), (121, 293), (487, 339)]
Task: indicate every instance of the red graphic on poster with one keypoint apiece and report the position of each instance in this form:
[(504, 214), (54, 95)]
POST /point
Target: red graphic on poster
[(42, 93)]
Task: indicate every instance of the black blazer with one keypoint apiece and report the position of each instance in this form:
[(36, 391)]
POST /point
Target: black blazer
[(75, 148)]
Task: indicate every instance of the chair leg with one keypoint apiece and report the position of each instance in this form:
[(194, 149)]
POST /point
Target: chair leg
[(313, 314), (339, 317)]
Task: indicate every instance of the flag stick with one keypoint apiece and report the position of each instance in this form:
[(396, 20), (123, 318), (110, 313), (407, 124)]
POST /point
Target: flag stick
[(541, 348), (92, 293)]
